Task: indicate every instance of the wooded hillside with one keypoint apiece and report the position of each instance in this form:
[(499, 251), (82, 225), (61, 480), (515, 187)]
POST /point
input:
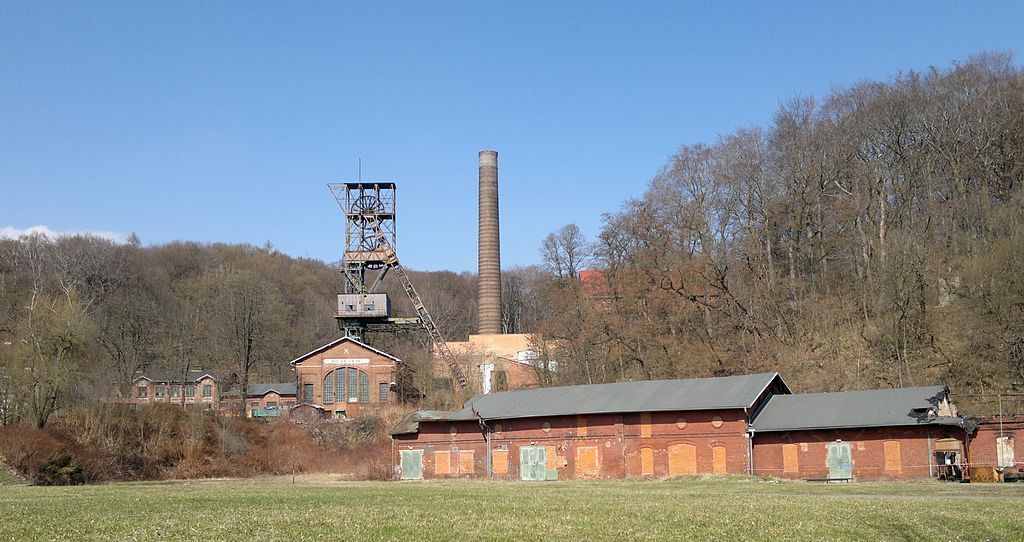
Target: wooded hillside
[(869, 238), (872, 237)]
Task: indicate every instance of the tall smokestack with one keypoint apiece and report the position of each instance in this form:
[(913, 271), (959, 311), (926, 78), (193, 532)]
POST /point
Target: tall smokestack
[(489, 302)]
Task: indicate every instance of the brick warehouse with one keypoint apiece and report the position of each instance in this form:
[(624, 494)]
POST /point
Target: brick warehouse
[(904, 433), (623, 429), (738, 424)]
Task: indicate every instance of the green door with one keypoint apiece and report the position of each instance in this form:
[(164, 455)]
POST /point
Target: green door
[(840, 460), (412, 464), (532, 463)]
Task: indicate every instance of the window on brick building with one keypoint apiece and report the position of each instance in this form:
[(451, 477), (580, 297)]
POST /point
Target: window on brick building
[(442, 463), (175, 391), (1004, 451), (382, 393), (892, 456), (159, 391), (347, 385), (645, 425), (329, 386), (500, 381), (307, 393), (647, 461), (208, 390), (190, 390), (587, 460), (790, 459), (141, 392)]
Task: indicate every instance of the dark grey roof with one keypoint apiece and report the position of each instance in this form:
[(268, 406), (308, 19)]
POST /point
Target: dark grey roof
[(160, 376), (281, 388), (411, 422), (640, 396), (869, 408)]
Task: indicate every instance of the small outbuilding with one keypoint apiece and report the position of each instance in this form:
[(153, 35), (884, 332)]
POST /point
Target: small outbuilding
[(269, 400)]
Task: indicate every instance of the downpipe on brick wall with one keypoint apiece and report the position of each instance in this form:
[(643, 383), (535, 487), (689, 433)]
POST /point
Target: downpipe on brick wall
[(750, 450)]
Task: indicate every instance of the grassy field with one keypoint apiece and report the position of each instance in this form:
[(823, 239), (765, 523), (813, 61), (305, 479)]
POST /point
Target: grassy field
[(686, 509)]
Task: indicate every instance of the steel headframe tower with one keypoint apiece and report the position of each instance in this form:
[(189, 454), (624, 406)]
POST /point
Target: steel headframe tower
[(368, 207), (370, 246)]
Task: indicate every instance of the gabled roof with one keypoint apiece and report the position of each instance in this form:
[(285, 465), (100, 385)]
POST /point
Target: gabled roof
[(280, 388), (338, 341), (159, 376), (869, 408), (640, 396)]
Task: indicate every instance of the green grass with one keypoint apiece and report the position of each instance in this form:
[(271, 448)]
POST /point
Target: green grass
[(687, 509), (7, 477)]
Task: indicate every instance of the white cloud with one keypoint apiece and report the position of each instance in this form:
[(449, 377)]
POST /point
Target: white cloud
[(11, 232)]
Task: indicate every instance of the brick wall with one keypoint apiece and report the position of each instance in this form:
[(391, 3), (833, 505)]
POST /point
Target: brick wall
[(983, 443), (314, 368), (878, 453), (655, 444)]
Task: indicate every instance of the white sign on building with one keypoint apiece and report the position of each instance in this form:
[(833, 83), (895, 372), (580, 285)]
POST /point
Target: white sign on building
[(346, 361)]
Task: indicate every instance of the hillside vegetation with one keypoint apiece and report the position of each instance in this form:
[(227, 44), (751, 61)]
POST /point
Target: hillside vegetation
[(869, 238)]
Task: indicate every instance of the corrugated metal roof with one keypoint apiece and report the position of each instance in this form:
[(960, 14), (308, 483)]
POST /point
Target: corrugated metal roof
[(640, 396), (411, 422), (869, 408)]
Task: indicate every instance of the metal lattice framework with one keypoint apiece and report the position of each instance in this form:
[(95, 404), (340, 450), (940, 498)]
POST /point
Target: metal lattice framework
[(370, 245), (367, 205)]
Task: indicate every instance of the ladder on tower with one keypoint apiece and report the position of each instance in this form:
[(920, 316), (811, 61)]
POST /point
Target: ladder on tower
[(428, 322)]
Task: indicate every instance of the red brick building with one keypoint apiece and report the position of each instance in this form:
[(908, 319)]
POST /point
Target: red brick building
[(997, 444), (624, 429), (344, 376), (269, 400), (197, 388), (903, 433)]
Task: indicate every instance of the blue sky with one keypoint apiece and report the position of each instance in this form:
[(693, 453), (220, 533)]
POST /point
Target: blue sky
[(222, 121)]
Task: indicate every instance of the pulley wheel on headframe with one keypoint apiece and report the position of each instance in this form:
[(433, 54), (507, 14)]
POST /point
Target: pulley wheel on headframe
[(365, 208), (364, 212)]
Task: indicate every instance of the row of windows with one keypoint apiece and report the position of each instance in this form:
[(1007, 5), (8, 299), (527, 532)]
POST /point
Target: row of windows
[(161, 391)]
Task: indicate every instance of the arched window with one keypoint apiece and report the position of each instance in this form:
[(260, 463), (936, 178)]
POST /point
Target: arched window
[(346, 385)]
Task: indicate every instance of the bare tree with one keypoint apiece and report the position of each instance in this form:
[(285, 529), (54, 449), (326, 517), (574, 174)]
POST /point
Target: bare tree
[(566, 251), (246, 316)]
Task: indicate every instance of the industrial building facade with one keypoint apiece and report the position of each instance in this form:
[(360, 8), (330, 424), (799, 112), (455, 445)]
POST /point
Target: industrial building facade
[(195, 388), (624, 429), (903, 433), (737, 424), (344, 376)]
